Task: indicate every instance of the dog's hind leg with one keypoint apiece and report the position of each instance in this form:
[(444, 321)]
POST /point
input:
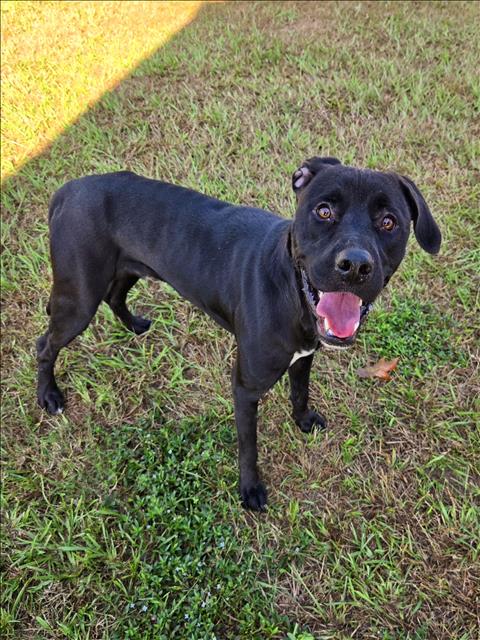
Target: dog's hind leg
[(116, 299), (72, 305)]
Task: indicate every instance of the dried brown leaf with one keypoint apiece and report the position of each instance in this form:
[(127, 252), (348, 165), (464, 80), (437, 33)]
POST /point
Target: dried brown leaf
[(380, 369)]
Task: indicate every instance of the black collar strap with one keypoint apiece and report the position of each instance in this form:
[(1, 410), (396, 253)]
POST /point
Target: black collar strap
[(300, 271), (307, 292)]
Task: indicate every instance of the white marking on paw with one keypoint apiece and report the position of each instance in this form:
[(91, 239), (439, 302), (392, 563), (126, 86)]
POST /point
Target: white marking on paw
[(300, 354)]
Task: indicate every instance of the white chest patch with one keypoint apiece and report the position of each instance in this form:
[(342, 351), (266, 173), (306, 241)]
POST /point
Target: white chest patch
[(300, 354)]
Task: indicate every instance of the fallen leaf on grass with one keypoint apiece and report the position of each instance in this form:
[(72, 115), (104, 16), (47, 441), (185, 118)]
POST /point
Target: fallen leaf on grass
[(380, 369)]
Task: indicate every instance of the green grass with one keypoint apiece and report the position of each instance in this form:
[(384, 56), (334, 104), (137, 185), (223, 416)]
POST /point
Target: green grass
[(121, 517)]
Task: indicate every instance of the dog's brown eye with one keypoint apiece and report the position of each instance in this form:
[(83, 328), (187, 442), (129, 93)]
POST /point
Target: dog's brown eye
[(323, 211), (388, 223)]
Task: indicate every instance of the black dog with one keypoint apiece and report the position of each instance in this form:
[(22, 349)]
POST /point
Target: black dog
[(282, 287)]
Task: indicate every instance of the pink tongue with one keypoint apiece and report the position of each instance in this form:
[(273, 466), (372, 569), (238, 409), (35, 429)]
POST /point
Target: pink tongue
[(342, 311)]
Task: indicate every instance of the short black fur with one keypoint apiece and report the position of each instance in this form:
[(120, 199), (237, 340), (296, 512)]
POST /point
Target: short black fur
[(241, 265)]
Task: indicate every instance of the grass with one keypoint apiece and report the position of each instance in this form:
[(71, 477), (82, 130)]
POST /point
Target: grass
[(121, 517), (58, 60)]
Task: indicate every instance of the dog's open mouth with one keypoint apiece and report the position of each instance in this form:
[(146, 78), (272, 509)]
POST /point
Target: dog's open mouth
[(339, 315)]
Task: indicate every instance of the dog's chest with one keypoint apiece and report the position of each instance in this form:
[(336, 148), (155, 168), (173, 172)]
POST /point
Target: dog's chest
[(301, 354)]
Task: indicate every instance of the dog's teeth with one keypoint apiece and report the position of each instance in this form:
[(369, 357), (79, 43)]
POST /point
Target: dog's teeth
[(330, 332), (326, 324), (357, 324)]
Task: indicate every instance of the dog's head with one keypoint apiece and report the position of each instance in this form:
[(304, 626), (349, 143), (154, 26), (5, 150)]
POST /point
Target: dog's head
[(349, 236)]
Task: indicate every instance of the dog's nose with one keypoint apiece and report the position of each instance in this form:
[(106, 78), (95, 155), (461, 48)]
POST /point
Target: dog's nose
[(354, 265)]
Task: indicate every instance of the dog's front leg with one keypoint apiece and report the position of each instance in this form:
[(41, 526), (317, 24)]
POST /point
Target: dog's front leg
[(299, 374), (252, 490)]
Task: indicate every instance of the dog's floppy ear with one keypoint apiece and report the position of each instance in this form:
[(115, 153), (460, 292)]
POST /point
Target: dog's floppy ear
[(308, 170), (426, 229)]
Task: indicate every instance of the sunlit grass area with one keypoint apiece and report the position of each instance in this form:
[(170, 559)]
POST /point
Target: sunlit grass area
[(120, 518), (58, 58)]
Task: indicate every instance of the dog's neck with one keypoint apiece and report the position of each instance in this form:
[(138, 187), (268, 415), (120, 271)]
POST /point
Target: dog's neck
[(308, 318)]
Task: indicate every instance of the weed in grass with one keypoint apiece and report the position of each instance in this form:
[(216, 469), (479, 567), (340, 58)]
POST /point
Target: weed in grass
[(417, 333)]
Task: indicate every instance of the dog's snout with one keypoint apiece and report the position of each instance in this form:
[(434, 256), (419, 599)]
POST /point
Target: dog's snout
[(354, 265)]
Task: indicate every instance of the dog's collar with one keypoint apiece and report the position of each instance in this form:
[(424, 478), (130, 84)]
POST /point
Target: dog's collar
[(302, 279), (307, 291), (301, 276)]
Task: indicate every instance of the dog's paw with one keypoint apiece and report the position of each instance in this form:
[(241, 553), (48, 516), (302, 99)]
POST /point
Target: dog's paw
[(254, 497), (140, 325), (52, 400), (311, 421)]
